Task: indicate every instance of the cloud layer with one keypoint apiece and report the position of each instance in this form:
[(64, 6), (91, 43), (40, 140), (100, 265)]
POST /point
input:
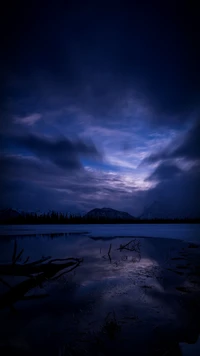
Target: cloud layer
[(100, 106)]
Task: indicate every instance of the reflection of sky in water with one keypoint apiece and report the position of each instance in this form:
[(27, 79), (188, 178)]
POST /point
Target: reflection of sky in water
[(187, 232), (134, 287)]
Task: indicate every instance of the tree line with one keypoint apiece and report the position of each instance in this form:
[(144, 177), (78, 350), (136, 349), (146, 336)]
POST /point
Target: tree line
[(61, 218)]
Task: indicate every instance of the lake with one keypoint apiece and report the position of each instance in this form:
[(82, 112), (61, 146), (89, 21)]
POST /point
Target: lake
[(176, 231), (135, 290)]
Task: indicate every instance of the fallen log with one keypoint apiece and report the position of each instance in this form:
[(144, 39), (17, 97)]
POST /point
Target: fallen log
[(45, 272), (36, 267), (38, 271)]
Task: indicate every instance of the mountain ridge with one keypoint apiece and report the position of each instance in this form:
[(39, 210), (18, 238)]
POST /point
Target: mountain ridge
[(108, 213)]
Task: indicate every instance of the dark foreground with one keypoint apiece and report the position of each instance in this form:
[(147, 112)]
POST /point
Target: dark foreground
[(128, 296)]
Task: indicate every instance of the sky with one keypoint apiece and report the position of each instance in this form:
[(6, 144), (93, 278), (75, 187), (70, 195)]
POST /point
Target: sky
[(100, 106)]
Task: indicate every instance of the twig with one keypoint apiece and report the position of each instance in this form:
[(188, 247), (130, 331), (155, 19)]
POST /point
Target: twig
[(18, 256), (69, 270), (26, 260), (63, 259), (44, 259), (124, 246), (135, 247), (109, 252), (14, 251), (5, 283)]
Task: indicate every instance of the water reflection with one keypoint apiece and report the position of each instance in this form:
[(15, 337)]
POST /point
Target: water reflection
[(132, 285)]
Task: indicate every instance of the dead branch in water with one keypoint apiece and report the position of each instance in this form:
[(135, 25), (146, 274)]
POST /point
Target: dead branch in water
[(49, 271), (14, 251), (36, 267), (134, 247), (16, 257), (5, 283), (43, 259), (109, 252), (69, 270), (26, 260), (109, 256), (37, 272)]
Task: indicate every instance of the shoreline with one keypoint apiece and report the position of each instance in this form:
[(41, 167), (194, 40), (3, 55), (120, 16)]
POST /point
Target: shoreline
[(190, 232)]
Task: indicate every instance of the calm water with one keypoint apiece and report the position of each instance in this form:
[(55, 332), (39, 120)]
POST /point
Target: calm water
[(136, 289), (175, 231)]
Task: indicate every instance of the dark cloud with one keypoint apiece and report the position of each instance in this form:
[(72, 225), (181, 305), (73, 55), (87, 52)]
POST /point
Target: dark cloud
[(30, 196), (187, 147), (179, 193), (61, 151), (69, 52), (177, 187), (164, 171), (28, 183), (122, 65), (190, 147)]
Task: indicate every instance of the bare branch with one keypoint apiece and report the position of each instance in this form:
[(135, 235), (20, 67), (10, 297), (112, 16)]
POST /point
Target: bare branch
[(5, 283), (18, 257), (109, 252), (26, 260), (14, 251)]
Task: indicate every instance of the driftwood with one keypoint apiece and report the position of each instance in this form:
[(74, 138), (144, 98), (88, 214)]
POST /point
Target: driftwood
[(18, 292), (36, 267), (37, 272)]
